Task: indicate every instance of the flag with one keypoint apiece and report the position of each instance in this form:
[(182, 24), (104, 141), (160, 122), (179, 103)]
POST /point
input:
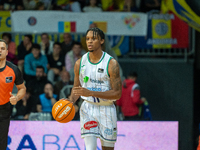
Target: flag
[(66, 26), (164, 31), (183, 11), (5, 21), (120, 44)]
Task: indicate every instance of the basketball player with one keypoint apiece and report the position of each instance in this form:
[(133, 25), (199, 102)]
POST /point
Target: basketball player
[(9, 74), (98, 82)]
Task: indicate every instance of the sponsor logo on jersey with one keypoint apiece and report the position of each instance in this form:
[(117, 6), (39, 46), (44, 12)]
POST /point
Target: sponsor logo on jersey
[(108, 131), (64, 112), (94, 89), (9, 79), (90, 124), (85, 79), (96, 81), (100, 70), (82, 66)]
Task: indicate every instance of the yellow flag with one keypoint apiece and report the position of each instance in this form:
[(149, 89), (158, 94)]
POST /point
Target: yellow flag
[(161, 29), (5, 21), (67, 27), (183, 11)]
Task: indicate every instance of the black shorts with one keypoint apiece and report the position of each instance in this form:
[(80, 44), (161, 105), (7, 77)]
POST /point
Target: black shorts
[(4, 125)]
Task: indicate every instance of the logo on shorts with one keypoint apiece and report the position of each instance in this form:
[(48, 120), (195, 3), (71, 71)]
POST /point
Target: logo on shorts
[(100, 70), (9, 79), (90, 124), (115, 132), (108, 131)]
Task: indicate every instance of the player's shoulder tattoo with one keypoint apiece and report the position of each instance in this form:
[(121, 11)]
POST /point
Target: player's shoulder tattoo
[(114, 68)]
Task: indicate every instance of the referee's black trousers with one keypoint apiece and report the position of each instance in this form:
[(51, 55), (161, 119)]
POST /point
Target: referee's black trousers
[(4, 125)]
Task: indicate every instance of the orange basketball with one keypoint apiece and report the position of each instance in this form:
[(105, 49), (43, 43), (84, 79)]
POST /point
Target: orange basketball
[(63, 111)]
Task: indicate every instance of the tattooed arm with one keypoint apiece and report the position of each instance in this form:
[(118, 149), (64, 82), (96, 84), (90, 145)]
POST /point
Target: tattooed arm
[(115, 81)]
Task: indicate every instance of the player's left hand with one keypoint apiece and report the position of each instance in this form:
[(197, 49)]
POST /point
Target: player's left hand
[(80, 91), (13, 99)]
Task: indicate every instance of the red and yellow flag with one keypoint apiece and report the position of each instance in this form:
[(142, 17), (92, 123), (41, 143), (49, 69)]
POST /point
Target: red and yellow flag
[(64, 26)]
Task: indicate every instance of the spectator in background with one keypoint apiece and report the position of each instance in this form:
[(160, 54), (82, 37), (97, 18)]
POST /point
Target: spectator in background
[(20, 6), (107, 5), (48, 4), (11, 48), (9, 4), (29, 4), (23, 49), (92, 7), (65, 80), (46, 44), (47, 99), (56, 63), (130, 99), (11, 45), (37, 84), (39, 6), (24, 107), (33, 60), (55, 7), (72, 56), (67, 43), (148, 5), (112, 5), (69, 5), (130, 6)]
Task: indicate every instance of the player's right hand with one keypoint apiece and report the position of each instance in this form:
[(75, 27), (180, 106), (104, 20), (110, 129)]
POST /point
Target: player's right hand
[(65, 99)]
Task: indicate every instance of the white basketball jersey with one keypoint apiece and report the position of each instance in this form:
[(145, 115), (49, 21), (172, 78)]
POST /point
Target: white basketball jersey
[(95, 77)]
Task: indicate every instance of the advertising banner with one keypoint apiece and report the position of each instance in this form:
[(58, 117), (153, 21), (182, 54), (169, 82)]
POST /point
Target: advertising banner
[(164, 31), (51, 135), (5, 21), (183, 11), (117, 23)]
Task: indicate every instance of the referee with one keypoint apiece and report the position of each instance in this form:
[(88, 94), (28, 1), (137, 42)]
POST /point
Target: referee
[(9, 75)]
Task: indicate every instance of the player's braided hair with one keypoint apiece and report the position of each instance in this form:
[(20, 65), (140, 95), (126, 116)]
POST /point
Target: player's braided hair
[(96, 32)]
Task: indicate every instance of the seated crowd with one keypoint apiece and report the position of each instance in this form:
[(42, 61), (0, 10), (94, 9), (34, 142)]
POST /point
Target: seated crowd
[(82, 5), (47, 69)]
